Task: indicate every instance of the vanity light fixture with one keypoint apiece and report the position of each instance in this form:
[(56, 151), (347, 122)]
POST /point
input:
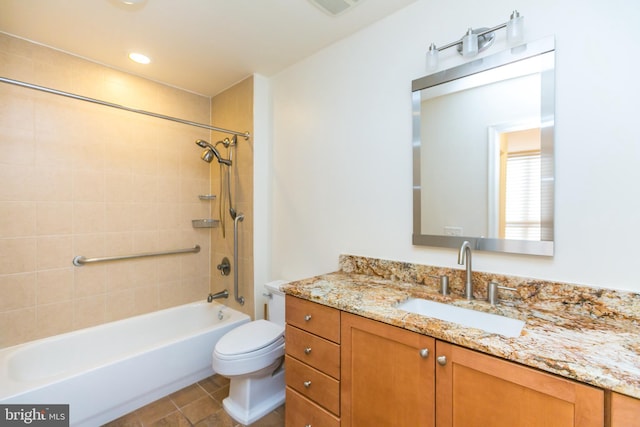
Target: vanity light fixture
[(479, 39), (139, 58)]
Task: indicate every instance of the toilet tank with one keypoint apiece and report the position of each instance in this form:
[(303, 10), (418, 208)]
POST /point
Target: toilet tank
[(275, 301)]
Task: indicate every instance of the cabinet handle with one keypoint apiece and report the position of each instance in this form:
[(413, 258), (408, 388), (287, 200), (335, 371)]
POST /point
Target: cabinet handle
[(307, 317), (442, 360), (307, 350), (307, 384), (307, 425), (424, 353)]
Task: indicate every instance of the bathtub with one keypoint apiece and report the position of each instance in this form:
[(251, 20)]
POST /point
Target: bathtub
[(106, 371)]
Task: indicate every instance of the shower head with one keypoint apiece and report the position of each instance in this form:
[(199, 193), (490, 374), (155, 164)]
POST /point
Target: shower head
[(207, 155), (202, 143), (210, 151)]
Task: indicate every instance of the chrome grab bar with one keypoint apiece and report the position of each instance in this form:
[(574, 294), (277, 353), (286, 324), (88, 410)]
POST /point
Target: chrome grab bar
[(79, 261), (239, 217)]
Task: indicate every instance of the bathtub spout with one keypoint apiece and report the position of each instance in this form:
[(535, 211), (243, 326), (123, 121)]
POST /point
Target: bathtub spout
[(218, 295)]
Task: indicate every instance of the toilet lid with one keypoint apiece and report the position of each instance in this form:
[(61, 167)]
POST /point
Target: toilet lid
[(249, 337)]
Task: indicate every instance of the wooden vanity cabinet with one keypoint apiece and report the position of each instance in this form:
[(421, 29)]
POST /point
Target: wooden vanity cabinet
[(624, 411), (366, 373), (312, 364), (387, 375), (386, 381), (474, 389)]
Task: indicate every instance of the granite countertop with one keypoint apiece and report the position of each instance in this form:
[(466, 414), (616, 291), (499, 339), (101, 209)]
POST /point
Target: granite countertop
[(601, 348)]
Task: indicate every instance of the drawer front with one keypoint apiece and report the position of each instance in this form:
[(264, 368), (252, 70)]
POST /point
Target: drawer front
[(302, 412), (322, 354), (313, 384), (313, 317)]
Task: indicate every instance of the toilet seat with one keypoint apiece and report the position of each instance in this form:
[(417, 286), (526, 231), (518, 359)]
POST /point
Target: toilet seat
[(249, 338), (248, 349)]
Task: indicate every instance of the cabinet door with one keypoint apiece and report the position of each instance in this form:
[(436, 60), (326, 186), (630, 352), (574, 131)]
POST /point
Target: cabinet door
[(625, 411), (475, 389), (387, 375)]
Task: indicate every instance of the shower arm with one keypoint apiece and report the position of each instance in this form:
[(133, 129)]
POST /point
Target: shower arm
[(239, 217)]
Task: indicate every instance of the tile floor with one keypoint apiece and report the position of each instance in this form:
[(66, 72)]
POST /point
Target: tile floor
[(199, 405)]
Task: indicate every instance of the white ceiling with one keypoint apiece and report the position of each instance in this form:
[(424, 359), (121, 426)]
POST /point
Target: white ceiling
[(204, 46)]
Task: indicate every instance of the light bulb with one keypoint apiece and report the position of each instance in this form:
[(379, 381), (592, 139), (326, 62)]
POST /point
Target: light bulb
[(515, 29), (139, 58), (432, 58), (470, 44)]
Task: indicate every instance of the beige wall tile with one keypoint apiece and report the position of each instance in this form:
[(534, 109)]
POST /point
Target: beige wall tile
[(145, 299), (17, 255), (54, 285), (233, 109), (18, 183), (82, 179), (143, 216), (88, 185), (18, 291), (54, 218), (17, 145), (119, 276), (169, 270), (17, 111), (118, 217), (18, 219), (53, 184), (54, 319), (18, 326), (90, 280), (89, 311), (145, 188), (120, 305), (89, 217), (54, 252), (169, 294), (118, 187)]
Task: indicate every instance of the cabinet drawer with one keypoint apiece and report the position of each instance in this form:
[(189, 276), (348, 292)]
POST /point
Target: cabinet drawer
[(313, 317), (302, 412), (322, 354), (313, 384)]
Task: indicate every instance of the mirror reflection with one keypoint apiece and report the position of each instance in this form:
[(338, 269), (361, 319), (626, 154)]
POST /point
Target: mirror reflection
[(483, 153)]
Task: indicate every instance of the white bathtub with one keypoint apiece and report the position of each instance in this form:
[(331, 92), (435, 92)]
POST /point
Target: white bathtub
[(109, 370)]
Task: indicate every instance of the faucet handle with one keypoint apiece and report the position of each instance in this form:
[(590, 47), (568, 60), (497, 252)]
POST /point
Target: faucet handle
[(492, 291), (444, 283)]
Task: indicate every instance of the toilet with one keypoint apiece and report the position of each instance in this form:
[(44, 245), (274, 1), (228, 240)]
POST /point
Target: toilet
[(252, 357)]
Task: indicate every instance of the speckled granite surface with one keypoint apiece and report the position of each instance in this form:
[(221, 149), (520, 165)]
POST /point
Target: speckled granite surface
[(587, 334)]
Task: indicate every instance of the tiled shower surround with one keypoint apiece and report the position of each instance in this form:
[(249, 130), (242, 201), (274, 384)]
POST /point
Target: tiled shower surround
[(83, 179)]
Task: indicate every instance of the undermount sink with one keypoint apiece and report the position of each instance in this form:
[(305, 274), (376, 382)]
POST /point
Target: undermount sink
[(492, 323)]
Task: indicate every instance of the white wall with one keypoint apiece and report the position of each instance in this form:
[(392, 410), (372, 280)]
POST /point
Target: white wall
[(341, 133)]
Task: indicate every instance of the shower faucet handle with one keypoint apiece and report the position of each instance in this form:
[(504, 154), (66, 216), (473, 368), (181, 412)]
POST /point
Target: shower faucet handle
[(224, 267)]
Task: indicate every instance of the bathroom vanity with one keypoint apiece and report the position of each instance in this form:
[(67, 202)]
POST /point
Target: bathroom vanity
[(312, 372), (398, 368)]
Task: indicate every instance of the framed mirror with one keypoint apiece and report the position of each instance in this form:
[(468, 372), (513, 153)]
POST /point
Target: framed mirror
[(483, 167)]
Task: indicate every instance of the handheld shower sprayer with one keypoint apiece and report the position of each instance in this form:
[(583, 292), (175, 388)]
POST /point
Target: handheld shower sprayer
[(210, 151)]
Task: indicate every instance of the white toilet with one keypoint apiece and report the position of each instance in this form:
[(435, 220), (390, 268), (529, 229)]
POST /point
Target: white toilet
[(252, 357)]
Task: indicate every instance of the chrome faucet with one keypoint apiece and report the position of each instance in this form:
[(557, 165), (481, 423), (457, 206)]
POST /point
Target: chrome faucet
[(465, 255), (218, 295)]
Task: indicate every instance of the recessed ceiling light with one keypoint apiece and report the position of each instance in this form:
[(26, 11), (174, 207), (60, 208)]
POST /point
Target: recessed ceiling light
[(131, 1), (334, 7), (139, 58)]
